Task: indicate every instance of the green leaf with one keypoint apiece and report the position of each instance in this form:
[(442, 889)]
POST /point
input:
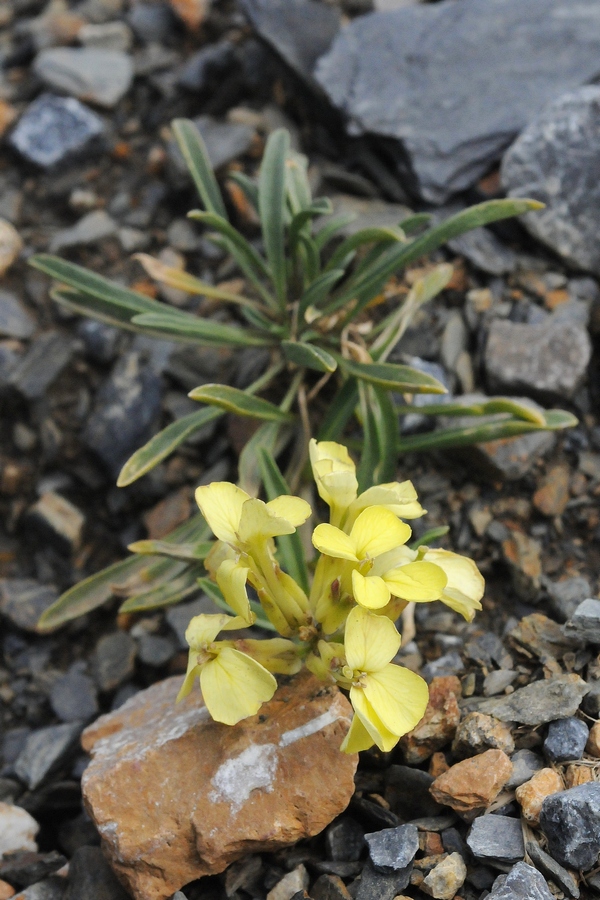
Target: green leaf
[(271, 202), (239, 402), (248, 186), (415, 223), (115, 296), (201, 331), (191, 552), (290, 545), (319, 290), (432, 535), (163, 443), (167, 594), (483, 408), (340, 412), (332, 229), (198, 162), (380, 429), (375, 235), (98, 310), (403, 379), (319, 207), (297, 186), (308, 356)]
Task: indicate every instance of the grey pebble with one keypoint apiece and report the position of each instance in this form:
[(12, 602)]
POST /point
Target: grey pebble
[(155, 650), (523, 882), (91, 877), (539, 702), (448, 664), (344, 840), (46, 750), (571, 822), (585, 622), (496, 839), (114, 660), (91, 228), (88, 73), (566, 739), (525, 764), (73, 697), (497, 681), (54, 130), (15, 319), (551, 869), (565, 596), (47, 356), (375, 885), (393, 849), (23, 600)]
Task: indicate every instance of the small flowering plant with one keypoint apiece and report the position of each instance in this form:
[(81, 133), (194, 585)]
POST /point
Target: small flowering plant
[(343, 627)]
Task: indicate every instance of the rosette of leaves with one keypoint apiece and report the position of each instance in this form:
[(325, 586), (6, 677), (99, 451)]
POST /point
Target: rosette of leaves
[(313, 299)]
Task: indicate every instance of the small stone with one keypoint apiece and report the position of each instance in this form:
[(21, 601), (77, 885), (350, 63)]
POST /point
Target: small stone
[(11, 245), (539, 702), (133, 239), (154, 650), (549, 359), (448, 664), (496, 839), (374, 885), (15, 319), (523, 555), (6, 891), (566, 739), (58, 518), (593, 744), (55, 129), (345, 840), (478, 732), (91, 877), (191, 12), (585, 622), (523, 882), (446, 878), (487, 649), (45, 751), (18, 830), (525, 765), (541, 164), (295, 882), (88, 73), (101, 341), (565, 596), (329, 887), (551, 869), (114, 660), (52, 888), (73, 697), (209, 62), (439, 723), (152, 23), (47, 356), (393, 849), (92, 228), (553, 494), (571, 822), (532, 794), (496, 681), (23, 600), (27, 867), (124, 409), (576, 775), (542, 637), (482, 248), (408, 794), (231, 791), (470, 786), (106, 36)]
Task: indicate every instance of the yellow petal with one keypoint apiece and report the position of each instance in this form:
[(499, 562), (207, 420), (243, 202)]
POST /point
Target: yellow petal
[(337, 453), (357, 739), (221, 505), (203, 629), (398, 696), (385, 739), (258, 522), (466, 585), (234, 686), (219, 552), (370, 591), (193, 672), (399, 497), (334, 472), (376, 531), (277, 655), (231, 578), (293, 509), (333, 542), (419, 581), (370, 640)]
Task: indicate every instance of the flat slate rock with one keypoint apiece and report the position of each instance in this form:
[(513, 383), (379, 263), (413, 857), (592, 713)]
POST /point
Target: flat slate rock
[(585, 622), (456, 82), (523, 882), (556, 160), (392, 849), (496, 838), (551, 869), (88, 73), (539, 702), (54, 130)]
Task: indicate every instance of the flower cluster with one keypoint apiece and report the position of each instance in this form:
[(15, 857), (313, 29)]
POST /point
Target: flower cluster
[(344, 630)]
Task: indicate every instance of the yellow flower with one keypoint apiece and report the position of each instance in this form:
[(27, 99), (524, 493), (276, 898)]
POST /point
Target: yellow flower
[(388, 700), (335, 475), (399, 497), (466, 585), (234, 686)]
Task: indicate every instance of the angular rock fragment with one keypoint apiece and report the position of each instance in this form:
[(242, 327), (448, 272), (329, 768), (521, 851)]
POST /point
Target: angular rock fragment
[(555, 160), (571, 822), (55, 129), (470, 786), (549, 867), (23, 600), (457, 103), (439, 723), (393, 849), (523, 882), (539, 702), (585, 622), (88, 73), (207, 794), (496, 839), (478, 732), (47, 356), (532, 794), (45, 751), (15, 319), (18, 829), (375, 885), (566, 739), (446, 878)]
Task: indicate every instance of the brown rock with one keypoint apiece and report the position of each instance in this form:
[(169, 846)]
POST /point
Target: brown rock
[(478, 732), (446, 878), (523, 555), (430, 843), (176, 796), (6, 891), (532, 794), (553, 494), (7, 116), (576, 775), (470, 786), (168, 514), (438, 725), (438, 764), (593, 743)]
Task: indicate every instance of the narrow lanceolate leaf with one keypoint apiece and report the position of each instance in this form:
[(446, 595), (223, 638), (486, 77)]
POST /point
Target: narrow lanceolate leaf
[(309, 356), (480, 432), (333, 228), (271, 201), (319, 207), (196, 157), (191, 552), (297, 185), (493, 406), (415, 223), (319, 290), (290, 546), (99, 310), (183, 281), (432, 535), (164, 443), (167, 594), (92, 285), (381, 236), (196, 330), (403, 379), (239, 402)]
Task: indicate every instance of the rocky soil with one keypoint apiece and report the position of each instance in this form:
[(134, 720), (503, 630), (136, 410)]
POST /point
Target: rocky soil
[(476, 801)]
